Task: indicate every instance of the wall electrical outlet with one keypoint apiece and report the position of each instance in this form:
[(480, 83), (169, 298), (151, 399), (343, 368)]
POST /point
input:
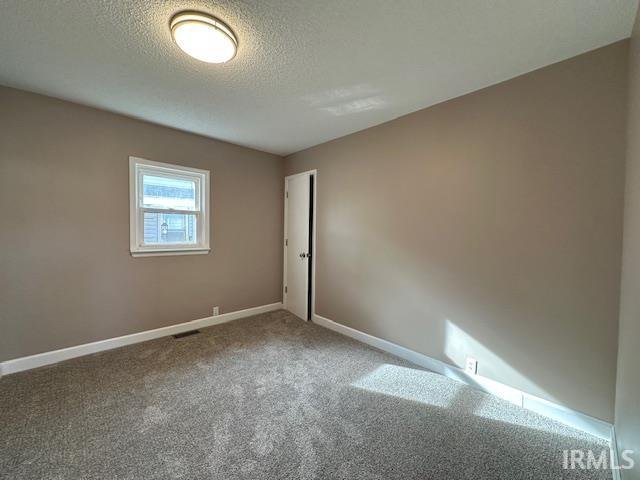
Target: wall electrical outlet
[(216, 311), (471, 366)]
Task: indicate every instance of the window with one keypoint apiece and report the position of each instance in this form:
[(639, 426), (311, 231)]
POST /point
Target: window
[(169, 208)]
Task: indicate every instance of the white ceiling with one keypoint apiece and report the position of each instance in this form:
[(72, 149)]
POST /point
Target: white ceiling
[(307, 71)]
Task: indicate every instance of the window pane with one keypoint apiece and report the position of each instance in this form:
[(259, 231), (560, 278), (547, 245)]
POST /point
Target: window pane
[(166, 228), (163, 192)]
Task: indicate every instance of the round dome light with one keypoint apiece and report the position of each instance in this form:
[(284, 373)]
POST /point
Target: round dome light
[(203, 37)]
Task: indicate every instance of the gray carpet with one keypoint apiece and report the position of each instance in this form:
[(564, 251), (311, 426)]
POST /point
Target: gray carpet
[(267, 397)]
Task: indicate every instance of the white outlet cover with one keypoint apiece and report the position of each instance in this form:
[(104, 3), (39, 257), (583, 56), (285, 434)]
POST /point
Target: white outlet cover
[(216, 311), (471, 366)]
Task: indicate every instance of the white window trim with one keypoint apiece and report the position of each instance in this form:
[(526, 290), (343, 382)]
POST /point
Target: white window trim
[(136, 221)]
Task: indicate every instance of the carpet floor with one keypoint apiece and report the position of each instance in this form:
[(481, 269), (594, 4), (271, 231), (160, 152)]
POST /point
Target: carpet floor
[(268, 397)]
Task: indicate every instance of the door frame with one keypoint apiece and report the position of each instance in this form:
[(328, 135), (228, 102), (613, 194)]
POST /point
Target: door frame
[(314, 210)]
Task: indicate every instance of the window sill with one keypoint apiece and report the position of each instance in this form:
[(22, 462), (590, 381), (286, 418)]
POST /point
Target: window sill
[(165, 252)]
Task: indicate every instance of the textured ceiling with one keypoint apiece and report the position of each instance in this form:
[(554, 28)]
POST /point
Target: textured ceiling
[(307, 71)]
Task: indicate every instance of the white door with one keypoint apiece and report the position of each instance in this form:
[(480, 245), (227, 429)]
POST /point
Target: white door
[(297, 250)]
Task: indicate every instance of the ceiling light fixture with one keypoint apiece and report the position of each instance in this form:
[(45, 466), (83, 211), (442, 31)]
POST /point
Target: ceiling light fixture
[(203, 37)]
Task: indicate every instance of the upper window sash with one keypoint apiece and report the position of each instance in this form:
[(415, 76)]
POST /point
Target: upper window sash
[(195, 178)]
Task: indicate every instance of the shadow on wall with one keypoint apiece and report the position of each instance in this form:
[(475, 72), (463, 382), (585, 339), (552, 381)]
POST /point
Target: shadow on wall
[(458, 344), (476, 307)]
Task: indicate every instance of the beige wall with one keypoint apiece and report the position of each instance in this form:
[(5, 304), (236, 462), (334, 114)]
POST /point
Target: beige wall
[(66, 276), (628, 385), (490, 226)]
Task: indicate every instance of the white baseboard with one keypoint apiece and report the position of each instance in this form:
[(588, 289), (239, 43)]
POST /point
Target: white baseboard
[(549, 409), (615, 460), (55, 356)]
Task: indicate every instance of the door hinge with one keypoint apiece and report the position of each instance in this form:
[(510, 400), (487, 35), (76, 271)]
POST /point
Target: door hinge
[(285, 289), (287, 194), (286, 242)]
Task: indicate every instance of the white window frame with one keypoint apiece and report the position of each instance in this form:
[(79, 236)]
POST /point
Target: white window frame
[(140, 166)]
